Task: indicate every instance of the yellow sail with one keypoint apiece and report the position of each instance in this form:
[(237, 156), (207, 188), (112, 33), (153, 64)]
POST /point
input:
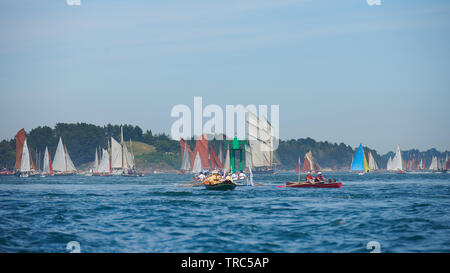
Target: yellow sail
[(366, 165)]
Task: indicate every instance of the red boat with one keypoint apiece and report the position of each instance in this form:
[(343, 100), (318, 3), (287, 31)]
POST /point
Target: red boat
[(309, 185)]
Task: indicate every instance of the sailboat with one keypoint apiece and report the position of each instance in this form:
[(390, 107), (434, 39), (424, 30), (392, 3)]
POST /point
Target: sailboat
[(359, 163), (122, 161), (261, 156), (436, 165), (197, 166), (447, 163), (104, 167), (397, 162), (389, 164), (47, 168), (310, 164), (24, 163), (372, 163), (62, 163)]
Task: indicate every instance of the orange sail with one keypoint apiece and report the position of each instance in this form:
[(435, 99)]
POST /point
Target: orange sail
[(201, 147), (20, 140), (215, 162)]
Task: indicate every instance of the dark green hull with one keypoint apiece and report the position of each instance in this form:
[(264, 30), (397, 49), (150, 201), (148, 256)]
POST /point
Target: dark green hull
[(224, 186)]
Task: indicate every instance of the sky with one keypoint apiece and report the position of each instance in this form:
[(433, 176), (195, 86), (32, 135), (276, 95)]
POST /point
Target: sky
[(340, 70)]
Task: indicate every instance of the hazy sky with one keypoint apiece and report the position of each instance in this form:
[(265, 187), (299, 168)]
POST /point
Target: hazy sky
[(341, 71)]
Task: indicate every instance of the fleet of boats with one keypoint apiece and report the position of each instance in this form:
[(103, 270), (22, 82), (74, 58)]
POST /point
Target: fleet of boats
[(116, 160)]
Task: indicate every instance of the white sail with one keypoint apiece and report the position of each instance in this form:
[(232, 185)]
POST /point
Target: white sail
[(132, 162), (372, 163), (59, 160), (434, 164), (96, 161), (46, 168), (227, 165), (116, 154), (389, 164), (197, 164), (25, 164), (69, 164), (186, 163), (397, 162), (103, 167), (260, 136)]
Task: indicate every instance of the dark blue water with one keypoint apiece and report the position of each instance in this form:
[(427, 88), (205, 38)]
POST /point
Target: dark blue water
[(404, 213)]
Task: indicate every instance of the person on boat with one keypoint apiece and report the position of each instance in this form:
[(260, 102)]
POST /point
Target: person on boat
[(234, 176), (242, 176), (214, 178), (201, 176), (309, 178), (320, 178)]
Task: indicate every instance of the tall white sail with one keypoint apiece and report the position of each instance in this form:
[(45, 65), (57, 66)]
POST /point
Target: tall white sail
[(132, 162), (25, 164), (372, 163), (227, 165), (260, 136), (389, 164), (186, 163), (397, 162), (46, 168), (96, 161), (434, 164), (69, 164), (59, 160), (103, 167), (197, 164), (116, 154)]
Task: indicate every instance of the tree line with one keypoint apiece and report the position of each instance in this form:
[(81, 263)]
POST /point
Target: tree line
[(81, 140)]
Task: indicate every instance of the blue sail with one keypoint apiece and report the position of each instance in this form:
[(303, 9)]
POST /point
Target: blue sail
[(358, 160)]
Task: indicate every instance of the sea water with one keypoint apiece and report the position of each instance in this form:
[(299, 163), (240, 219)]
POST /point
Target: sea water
[(400, 212)]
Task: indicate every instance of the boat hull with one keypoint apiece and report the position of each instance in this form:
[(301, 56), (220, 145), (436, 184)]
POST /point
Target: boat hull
[(224, 186), (324, 185)]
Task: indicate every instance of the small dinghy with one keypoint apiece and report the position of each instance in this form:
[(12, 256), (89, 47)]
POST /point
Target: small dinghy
[(222, 186)]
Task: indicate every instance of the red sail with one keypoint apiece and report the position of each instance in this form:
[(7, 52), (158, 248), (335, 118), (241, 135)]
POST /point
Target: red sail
[(215, 162), (306, 165), (20, 140), (201, 147), (408, 165), (50, 164)]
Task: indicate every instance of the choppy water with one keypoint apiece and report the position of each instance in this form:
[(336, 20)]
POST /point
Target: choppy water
[(404, 213)]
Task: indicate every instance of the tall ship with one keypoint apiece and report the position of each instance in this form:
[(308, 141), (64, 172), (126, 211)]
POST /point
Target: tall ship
[(260, 154), (62, 163)]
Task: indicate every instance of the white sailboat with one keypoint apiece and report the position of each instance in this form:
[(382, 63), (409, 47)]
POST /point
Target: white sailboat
[(434, 164), (397, 162), (122, 161), (372, 163), (25, 164), (197, 167), (260, 155), (62, 163), (186, 161), (47, 168), (104, 167), (389, 164)]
